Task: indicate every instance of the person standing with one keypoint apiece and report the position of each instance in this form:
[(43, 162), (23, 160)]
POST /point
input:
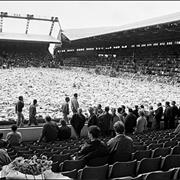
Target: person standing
[(65, 109), (141, 125), (93, 119), (32, 113), (130, 121), (19, 107), (158, 115), (174, 115), (74, 103), (105, 121), (167, 115), (77, 121)]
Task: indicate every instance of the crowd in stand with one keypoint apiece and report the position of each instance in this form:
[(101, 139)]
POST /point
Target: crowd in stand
[(42, 58)]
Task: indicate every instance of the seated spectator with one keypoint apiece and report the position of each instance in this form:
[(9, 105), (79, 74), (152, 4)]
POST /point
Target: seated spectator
[(77, 121), (141, 125), (50, 131), (92, 120), (14, 138), (4, 158), (94, 148), (3, 142), (121, 146), (104, 122), (64, 131), (130, 122)]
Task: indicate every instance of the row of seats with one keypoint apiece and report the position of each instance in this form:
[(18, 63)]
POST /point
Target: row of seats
[(118, 170)]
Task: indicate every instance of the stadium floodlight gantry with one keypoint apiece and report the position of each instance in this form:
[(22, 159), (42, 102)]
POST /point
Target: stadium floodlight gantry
[(28, 18)]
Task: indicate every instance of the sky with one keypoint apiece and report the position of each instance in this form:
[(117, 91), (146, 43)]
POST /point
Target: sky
[(83, 14)]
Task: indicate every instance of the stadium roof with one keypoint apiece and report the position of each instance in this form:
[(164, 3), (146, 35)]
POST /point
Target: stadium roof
[(28, 37), (151, 27)]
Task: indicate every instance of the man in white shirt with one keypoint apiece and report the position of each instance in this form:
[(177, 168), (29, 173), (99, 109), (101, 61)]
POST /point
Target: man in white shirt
[(74, 104)]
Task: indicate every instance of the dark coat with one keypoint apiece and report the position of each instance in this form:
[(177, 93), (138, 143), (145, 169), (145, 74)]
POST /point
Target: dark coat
[(130, 123), (93, 149)]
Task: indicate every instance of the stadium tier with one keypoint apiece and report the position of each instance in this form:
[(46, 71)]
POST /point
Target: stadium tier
[(26, 49), (149, 47)]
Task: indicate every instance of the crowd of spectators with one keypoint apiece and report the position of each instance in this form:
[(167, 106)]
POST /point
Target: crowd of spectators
[(152, 61)]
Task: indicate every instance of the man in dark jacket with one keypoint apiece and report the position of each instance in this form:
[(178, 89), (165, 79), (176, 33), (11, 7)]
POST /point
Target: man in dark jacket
[(130, 121), (158, 115), (64, 131), (18, 110), (93, 148), (50, 131), (174, 113), (32, 113), (77, 121), (167, 115), (104, 122), (92, 120)]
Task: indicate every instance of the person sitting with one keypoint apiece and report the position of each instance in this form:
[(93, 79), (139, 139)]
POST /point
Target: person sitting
[(64, 131), (50, 131), (94, 148), (77, 121), (130, 121), (3, 142), (14, 138), (121, 146), (141, 125)]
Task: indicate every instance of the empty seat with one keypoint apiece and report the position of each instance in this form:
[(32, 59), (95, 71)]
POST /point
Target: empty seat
[(139, 147), (95, 173), (69, 165), (149, 164), (155, 145), (150, 142), (171, 161), (175, 150), (138, 155), (170, 143), (121, 169), (161, 152), (158, 175), (163, 140)]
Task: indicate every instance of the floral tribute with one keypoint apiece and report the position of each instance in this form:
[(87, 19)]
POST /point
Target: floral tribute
[(34, 166)]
